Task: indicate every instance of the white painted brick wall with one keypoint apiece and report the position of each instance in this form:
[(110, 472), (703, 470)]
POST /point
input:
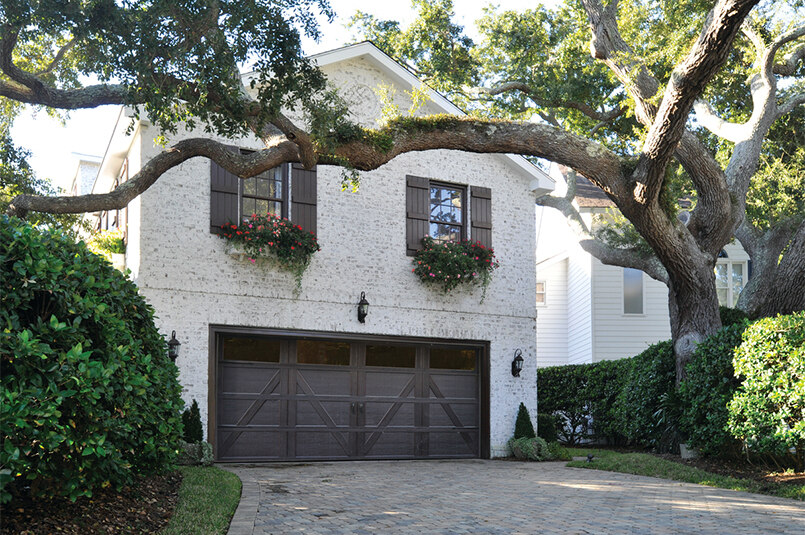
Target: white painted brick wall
[(185, 274)]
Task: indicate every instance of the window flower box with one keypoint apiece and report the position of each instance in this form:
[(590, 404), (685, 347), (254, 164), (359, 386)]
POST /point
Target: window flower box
[(447, 265), (272, 237)]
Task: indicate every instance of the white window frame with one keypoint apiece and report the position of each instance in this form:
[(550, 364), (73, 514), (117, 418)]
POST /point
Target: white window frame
[(544, 293), (642, 293)]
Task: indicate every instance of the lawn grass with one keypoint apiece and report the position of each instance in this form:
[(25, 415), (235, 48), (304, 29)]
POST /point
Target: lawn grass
[(208, 498), (644, 464)]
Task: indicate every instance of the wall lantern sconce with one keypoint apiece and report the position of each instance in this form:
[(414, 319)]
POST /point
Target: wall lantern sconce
[(363, 308), (173, 347), (517, 363)]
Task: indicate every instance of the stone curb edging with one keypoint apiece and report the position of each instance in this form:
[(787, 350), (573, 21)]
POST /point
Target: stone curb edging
[(243, 520)]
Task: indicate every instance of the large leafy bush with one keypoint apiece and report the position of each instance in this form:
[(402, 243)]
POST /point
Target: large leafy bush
[(605, 380), (561, 392), (651, 376), (768, 410), (707, 390), (89, 397)]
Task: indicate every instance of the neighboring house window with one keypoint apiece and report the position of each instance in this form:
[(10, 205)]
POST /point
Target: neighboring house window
[(632, 291), (730, 280), (288, 190), (541, 294), (440, 210)]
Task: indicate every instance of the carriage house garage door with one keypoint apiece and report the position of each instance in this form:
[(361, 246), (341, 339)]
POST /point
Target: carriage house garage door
[(307, 396)]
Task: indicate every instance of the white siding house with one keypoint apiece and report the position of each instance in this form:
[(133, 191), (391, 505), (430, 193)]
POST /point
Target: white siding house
[(285, 375), (595, 312)]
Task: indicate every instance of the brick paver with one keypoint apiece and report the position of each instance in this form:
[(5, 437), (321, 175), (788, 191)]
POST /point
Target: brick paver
[(479, 496)]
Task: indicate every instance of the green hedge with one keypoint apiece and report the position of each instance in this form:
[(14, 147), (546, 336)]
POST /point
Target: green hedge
[(605, 401), (651, 376), (768, 410), (89, 397), (707, 389)]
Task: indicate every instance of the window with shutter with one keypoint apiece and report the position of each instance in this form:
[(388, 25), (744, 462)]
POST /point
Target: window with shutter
[(439, 210), (284, 191)]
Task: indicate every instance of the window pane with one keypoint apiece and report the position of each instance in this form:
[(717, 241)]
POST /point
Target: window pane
[(249, 207), (320, 352), (251, 349), (721, 276), (737, 281), (632, 291), (722, 297), (391, 356), (452, 359), (442, 233), (250, 186)]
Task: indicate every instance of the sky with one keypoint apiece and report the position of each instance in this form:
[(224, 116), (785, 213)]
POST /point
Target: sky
[(56, 148)]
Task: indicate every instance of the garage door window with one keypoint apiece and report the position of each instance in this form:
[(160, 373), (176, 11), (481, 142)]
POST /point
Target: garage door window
[(322, 352), (452, 359), (251, 349), (391, 356)]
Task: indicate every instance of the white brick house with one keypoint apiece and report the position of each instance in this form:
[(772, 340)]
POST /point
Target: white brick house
[(285, 376)]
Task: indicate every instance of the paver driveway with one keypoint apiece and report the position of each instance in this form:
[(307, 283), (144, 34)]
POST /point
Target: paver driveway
[(479, 496)]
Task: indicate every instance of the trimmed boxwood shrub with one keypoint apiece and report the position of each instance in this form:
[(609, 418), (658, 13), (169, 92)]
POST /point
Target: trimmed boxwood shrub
[(191, 421), (768, 410), (89, 398), (707, 390), (652, 374), (523, 428)]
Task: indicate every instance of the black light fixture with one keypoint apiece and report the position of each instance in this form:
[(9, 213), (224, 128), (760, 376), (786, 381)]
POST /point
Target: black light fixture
[(517, 363), (173, 347), (363, 308)]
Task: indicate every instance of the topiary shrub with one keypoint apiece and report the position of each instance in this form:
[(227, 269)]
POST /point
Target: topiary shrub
[(768, 410), (546, 427), (523, 428), (529, 449), (556, 452), (651, 374), (191, 421), (707, 390), (89, 397), (732, 316)]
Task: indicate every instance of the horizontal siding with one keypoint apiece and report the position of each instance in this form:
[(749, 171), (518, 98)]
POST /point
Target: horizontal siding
[(579, 308), (618, 335), (552, 318)]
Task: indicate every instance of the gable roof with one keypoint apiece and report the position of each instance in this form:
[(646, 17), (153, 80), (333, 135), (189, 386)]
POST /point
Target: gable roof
[(400, 75)]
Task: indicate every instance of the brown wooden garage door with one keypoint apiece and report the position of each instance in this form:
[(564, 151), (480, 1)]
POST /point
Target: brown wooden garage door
[(281, 398)]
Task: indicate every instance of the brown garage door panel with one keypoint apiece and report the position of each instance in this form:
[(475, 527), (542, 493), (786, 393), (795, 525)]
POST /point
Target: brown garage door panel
[(347, 401)]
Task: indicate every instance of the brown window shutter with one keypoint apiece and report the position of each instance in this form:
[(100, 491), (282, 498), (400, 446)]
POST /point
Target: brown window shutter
[(223, 197), (303, 197), (481, 213), (417, 212)]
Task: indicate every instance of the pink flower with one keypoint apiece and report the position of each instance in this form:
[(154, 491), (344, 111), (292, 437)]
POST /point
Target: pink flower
[(252, 260)]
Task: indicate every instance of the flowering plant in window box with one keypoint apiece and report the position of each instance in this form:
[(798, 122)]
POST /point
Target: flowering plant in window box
[(449, 264), (271, 236)]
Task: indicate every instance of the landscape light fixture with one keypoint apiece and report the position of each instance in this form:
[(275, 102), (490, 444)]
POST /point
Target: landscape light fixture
[(517, 363), (363, 308), (173, 347)]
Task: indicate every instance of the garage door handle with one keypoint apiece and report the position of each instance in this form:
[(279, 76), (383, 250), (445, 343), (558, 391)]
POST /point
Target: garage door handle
[(352, 407), (360, 407)]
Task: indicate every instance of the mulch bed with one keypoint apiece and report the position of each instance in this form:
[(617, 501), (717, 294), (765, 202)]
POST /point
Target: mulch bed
[(144, 507), (739, 469)]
